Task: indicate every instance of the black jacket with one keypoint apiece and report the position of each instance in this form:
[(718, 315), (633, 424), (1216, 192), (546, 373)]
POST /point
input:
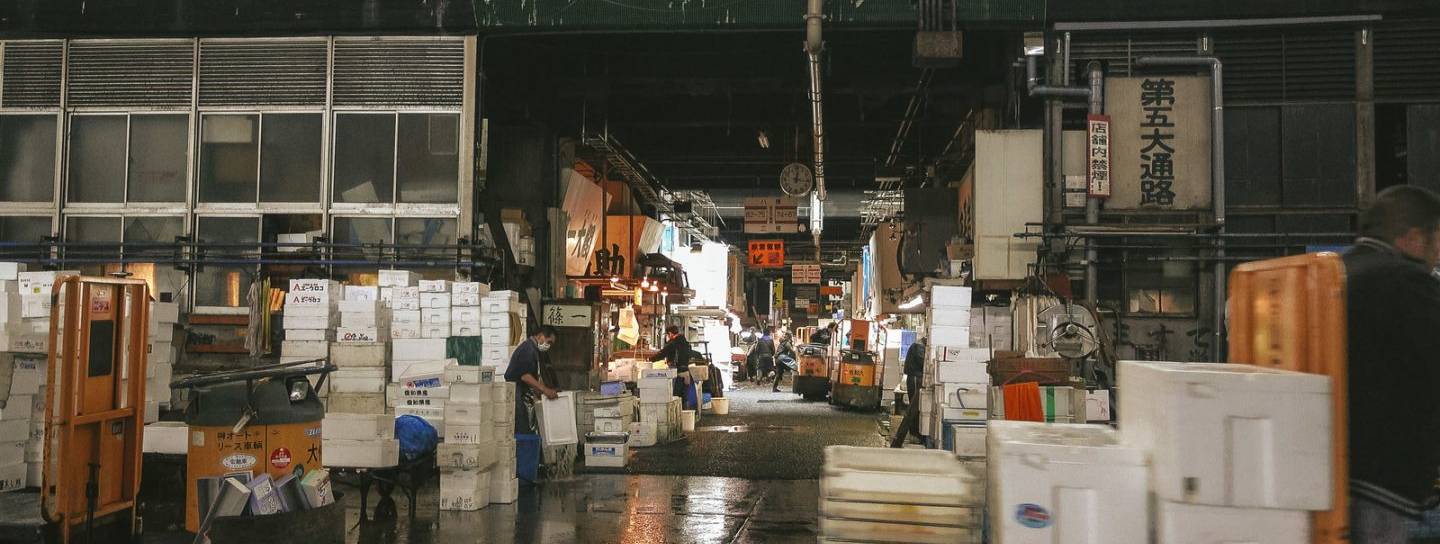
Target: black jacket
[(676, 352), (1393, 308), (915, 360)]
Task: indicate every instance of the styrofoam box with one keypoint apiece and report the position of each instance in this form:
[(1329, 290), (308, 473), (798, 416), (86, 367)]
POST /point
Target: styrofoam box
[(464, 490), (11, 271), (969, 440), (19, 407), (1078, 481), (434, 286), (377, 453), (345, 426), (441, 331), (167, 437), (456, 433), (1230, 435), (556, 418), (457, 373), (465, 314), (426, 349), (470, 287), (605, 455), (361, 293), (466, 413), (406, 331), (504, 391), (642, 434), (435, 300), (659, 373), (351, 320), (308, 335), (1179, 523), (307, 322), (964, 395), (359, 355), (656, 396), (433, 415), (396, 278), (13, 477), (609, 425), (959, 354), (360, 380), (430, 316), (497, 321), (472, 392), (13, 452), (949, 317), (950, 336), (496, 356), (294, 348), (356, 403), (465, 299), (34, 306), (405, 316), (899, 476), (466, 328), (950, 296), (946, 372), (495, 306), (504, 490), (466, 456), (847, 530)]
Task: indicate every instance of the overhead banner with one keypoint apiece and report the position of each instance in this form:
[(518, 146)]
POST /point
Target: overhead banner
[(772, 215), (583, 208), (1159, 142), (1097, 161)]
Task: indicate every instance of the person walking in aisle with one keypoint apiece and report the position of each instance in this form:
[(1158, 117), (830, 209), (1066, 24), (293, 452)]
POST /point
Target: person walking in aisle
[(785, 360)]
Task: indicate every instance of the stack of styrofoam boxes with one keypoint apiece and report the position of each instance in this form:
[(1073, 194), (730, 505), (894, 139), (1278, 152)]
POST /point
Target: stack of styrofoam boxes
[(990, 328), (417, 386), (363, 318), (1054, 482), (499, 336), (1237, 452), (504, 483), (358, 430), (434, 309), (19, 442), (899, 495), (310, 315), (160, 362), (956, 375), (399, 293), (657, 389), (350, 440), (32, 333), (465, 299), (596, 413), (470, 452)]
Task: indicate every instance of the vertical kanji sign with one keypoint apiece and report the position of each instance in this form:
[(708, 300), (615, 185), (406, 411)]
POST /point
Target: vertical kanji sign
[(1097, 163), (1159, 143)]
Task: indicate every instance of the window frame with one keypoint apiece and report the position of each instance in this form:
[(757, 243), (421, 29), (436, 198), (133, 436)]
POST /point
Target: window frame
[(194, 277), (58, 175), (394, 207), (90, 208), (322, 200)]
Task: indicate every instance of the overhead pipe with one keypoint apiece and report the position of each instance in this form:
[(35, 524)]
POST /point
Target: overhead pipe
[(1217, 174), (814, 45)]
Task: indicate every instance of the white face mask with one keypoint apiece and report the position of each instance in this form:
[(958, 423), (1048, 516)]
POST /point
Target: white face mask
[(543, 347)]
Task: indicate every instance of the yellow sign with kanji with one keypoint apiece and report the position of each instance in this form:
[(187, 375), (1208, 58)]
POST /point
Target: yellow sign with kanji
[(767, 253)]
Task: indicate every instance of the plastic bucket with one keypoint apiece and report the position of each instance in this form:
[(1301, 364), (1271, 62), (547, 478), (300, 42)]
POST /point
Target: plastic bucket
[(687, 420), (527, 457), (720, 406)]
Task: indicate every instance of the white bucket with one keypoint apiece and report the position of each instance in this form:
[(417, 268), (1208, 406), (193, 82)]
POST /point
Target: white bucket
[(720, 406), (687, 420)]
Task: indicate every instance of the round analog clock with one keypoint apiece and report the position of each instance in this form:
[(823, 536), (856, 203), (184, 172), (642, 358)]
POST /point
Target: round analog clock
[(796, 179)]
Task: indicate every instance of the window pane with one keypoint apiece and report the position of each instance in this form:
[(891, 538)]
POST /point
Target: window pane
[(427, 169), (92, 229), (415, 231), (23, 228), (27, 158), (274, 225), (163, 278), (229, 156), (158, 157), (225, 285), (97, 158), (290, 158), (364, 158), (360, 230)]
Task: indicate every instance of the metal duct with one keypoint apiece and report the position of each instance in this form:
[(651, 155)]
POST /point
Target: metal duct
[(31, 74), (814, 45), (270, 72), (128, 73), (399, 72)]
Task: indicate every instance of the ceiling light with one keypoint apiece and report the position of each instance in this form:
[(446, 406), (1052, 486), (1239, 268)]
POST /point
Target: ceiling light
[(764, 139)]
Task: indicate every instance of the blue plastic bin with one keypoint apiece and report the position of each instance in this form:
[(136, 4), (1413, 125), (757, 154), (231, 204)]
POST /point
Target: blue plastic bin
[(690, 398), (527, 457)]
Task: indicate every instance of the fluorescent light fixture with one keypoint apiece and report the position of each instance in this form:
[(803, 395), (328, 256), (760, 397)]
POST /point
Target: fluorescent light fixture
[(764, 139)]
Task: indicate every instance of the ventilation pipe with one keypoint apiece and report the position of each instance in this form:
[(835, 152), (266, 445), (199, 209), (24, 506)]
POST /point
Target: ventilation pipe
[(1217, 176), (814, 44)]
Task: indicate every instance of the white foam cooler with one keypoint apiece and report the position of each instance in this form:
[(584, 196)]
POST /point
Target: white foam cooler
[(1074, 484), (1179, 523), (1230, 435)]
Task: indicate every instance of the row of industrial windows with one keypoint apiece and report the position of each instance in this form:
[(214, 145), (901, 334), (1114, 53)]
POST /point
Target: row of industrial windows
[(256, 158)]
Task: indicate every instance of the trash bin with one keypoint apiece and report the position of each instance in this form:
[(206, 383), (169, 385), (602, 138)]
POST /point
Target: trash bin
[(527, 457)]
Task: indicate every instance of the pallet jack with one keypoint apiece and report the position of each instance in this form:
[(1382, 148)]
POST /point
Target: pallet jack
[(95, 408)]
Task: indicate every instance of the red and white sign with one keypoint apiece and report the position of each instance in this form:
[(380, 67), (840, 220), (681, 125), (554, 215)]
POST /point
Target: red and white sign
[(1097, 160), (280, 458), (767, 253), (805, 273)]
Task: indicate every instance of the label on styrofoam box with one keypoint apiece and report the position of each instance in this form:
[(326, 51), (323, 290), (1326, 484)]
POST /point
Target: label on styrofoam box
[(418, 350), (359, 355), (24, 342), (418, 402), (470, 287), (432, 414), (435, 316), (307, 323), (464, 328), (949, 317), (960, 354), (464, 413), (465, 300), (408, 317), (361, 293), (435, 300), (11, 271), (314, 286), (35, 306), (951, 296), (308, 335), (401, 371), (426, 384), (1097, 406), (434, 286), (468, 434), (405, 304), (607, 412), (465, 456), (396, 278), (307, 299), (343, 426), (659, 373), (465, 314), (435, 331), (965, 414), (298, 348), (961, 372), (471, 392), (347, 335), (406, 331)]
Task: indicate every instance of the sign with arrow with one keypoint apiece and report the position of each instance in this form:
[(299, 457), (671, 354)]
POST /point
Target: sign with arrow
[(767, 253)]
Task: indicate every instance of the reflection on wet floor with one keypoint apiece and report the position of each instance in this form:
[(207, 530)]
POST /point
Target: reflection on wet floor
[(614, 508)]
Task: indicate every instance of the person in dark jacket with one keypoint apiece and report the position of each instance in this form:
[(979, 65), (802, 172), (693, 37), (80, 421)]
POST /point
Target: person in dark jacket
[(824, 336), (763, 352), (1393, 311), (786, 352), (524, 372), (914, 369), (676, 351)]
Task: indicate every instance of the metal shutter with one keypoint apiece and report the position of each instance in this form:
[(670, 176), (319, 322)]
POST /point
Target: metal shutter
[(1407, 60), (263, 72), (1117, 50), (31, 74), (1269, 65), (399, 72), (157, 73)]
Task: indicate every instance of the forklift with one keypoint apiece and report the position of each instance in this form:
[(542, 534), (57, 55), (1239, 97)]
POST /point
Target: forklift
[(855, 376), (812, 380)]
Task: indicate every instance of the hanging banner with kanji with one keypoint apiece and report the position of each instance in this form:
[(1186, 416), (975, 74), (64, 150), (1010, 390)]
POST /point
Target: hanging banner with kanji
[(767, 253), (1159, 142), (1097, 161)]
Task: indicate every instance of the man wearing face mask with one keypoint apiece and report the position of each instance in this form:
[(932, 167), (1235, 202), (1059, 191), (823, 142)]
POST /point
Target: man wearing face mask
[(524, 372)]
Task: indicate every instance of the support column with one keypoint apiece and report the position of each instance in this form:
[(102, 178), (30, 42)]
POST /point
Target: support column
[(1364, 116)]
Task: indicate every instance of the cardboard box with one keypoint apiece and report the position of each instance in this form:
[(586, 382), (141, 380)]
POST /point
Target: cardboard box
[(376, 453), (417, 350)]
